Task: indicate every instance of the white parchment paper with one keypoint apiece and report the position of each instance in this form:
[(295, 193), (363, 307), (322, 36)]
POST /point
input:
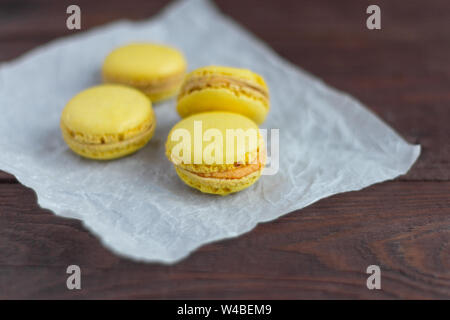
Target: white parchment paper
[(137, 206)]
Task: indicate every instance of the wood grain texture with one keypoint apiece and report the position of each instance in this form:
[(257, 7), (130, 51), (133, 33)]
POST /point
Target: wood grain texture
[(319, 252), (401, 72), (7, 178)]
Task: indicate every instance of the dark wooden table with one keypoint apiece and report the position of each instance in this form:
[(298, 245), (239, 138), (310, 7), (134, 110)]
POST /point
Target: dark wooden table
[(401, 72)]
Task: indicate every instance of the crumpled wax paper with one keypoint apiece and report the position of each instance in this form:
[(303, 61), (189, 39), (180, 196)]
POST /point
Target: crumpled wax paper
[(137, 206)]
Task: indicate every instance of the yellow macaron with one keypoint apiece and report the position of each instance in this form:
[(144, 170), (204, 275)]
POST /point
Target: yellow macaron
[(156, 70), (107, 121), (217, 88), (217, 152)]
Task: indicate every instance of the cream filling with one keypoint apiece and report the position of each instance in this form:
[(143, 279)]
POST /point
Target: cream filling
[(150, 87), (131, 140), (199, 83), (239, 172)]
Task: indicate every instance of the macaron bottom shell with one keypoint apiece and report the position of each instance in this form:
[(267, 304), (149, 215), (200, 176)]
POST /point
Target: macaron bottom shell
[(217, 186), (221, 99), (148, 88), (164, 95), (108, 151)]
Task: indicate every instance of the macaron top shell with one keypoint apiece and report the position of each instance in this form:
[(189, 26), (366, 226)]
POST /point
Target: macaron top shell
[(239, 73), (144, 61), (205, 130), (107, 109)]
